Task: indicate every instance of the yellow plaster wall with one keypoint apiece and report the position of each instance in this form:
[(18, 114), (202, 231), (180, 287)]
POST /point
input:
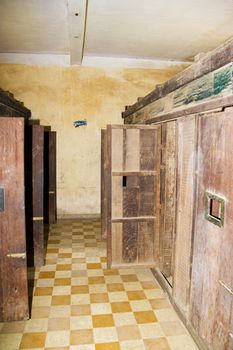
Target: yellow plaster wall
[(58, 96)]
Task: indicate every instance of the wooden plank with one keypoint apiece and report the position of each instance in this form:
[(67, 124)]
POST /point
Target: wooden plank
[(34, 193), (10, 107), (103, 181), (211, 86), (211, 309), (147, 204), (146, 237), (117, 243), (117, 197), (117, 150), (38, 194), (147, 150), (186, 157), (108, 187), (131, 161), (130, 201), (50, 195), (219, 103), (168, 200), (130, 242), (13, 266), (134, 173), (211, 61)]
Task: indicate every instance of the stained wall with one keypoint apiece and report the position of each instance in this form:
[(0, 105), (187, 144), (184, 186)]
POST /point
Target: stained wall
[(60, 95)]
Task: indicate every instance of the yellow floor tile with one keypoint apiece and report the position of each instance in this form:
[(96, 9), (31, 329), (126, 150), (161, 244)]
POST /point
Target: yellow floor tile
[(58, 300), (108, 346), (43, 291), (104, 320), (136, 295), (123, 306), (33, 340), (145, 317)]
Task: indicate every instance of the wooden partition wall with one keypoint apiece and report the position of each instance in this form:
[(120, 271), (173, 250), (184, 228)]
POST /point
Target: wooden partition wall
[(23, 172), (194, 111)]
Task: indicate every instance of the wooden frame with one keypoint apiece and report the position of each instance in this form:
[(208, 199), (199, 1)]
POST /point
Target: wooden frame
[(13, 264)]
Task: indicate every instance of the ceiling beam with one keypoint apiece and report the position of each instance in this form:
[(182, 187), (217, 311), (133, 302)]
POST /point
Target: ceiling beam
[(77, 10)]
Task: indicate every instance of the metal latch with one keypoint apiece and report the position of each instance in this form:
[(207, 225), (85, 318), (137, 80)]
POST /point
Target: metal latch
[(17, 255)]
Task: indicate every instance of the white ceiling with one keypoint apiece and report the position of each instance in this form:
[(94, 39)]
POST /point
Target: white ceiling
[(134, 29)]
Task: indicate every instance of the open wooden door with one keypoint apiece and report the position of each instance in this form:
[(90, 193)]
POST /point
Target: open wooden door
[(133, 188), (13, 262)]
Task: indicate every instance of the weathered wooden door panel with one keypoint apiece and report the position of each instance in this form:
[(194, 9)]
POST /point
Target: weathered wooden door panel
[(212, 277), (133, 163), (167, 198), (103, 184), (34, 186), (186, 158), (13, 263), (50, 194)]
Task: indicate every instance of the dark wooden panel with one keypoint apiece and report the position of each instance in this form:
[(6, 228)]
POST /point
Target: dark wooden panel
[(146, 235), (130, 201), (38, 193), (211, 299), (130, 242), (34, 193), (147, 149), (147, 195), (9, 106), (50, 197), (13, 267)]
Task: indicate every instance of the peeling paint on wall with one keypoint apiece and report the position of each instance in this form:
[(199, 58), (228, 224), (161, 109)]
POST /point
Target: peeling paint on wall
[(56, 94)]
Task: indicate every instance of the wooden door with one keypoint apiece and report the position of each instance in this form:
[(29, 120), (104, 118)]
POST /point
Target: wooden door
[(13, 263), (50, 193), (133, 187), (186, 162), (34, 186), (103, 178), (212, 275)]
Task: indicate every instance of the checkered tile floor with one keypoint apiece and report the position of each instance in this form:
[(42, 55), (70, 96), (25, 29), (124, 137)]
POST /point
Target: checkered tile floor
[(78, 304)]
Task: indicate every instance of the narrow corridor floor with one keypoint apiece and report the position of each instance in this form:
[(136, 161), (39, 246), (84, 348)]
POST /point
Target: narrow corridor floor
[(79, 304)]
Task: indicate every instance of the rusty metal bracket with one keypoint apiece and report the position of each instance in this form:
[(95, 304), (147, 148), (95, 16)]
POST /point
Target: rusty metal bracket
[(215, 218)]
